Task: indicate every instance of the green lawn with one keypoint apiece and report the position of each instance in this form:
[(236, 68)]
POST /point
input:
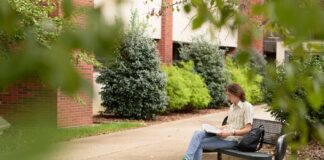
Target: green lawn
[(97, 129), (26, 142)]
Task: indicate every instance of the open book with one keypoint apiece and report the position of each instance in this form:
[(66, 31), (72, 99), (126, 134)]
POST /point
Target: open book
[(210, 129)]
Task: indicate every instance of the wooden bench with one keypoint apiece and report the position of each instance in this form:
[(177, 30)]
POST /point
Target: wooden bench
[(273, 136), (3, 125)]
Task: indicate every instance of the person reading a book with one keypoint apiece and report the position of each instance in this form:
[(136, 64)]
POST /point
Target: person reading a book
[(239, 123)]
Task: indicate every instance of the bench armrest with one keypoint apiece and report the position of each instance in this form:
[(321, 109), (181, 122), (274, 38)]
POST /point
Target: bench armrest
[(281, 146), (225, 121)]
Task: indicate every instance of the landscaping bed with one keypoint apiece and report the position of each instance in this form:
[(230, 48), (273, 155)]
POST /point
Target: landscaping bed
[(314, 150), (160, 118)]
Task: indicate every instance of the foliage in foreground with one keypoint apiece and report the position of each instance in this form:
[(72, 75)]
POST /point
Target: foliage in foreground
[(297, 23), (313, 115)]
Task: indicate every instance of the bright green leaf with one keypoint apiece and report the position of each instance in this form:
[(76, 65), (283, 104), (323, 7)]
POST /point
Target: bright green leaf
[(187, 8)]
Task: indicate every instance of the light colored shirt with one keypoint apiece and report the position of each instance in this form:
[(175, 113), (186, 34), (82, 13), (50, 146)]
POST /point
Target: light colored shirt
[(239, 116)]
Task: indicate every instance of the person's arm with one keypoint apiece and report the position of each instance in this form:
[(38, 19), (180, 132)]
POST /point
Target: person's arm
[(248, 118), (239, 132), (222, 127)]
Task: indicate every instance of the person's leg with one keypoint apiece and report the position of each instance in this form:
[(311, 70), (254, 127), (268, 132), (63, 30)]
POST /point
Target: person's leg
[(211, 143), (194, 144)]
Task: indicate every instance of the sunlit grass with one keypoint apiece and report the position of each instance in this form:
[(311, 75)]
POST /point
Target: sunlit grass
[(30, 142), (96, 129)]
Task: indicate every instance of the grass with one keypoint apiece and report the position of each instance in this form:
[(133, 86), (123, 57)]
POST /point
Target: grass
[(97, 129), (24, 142)]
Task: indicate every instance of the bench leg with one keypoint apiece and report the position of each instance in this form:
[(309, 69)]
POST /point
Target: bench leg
[(219, 156)]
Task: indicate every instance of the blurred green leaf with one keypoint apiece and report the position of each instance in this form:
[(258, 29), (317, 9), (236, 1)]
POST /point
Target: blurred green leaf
[(187, 8), (67, 6), (196, 2), (197, 22), (243, 57), (316, 99)]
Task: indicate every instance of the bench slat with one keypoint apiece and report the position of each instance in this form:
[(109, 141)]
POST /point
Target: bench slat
[(273, 130)]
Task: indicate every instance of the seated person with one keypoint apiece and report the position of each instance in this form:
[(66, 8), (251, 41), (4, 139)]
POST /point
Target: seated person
[(239, 123)]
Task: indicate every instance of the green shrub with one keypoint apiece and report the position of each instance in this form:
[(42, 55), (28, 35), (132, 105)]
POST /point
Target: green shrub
[(241, 75), (177, 90), (186, 90), (209, 64), (258, 63), (298, 93), (134, 87)]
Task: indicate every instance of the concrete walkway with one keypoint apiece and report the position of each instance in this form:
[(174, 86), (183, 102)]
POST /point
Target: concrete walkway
[(167, 141)]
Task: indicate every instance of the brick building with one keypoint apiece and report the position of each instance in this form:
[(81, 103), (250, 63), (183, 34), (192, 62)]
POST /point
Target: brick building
[(169, 30), (174, 28)]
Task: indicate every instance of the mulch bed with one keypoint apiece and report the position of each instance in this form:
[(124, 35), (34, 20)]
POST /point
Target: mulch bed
[(314, 151), (160, 118)]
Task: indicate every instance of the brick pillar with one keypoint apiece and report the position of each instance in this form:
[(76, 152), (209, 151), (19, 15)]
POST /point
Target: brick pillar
[(246, 8), (166, 41), (73, 112)]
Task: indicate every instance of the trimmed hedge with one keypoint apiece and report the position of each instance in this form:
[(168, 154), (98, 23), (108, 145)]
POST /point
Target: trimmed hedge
[(186, 89)]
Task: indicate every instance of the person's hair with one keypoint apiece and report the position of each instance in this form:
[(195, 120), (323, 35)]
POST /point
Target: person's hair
[(236, 90)]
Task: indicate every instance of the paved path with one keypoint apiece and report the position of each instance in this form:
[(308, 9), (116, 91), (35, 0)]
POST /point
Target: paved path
[(167, 141)]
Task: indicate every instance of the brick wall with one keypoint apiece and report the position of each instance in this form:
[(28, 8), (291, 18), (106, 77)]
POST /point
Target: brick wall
[(33, 100), (25, 99), (166, 42), (72, 112), (246, 8), (28, 100)]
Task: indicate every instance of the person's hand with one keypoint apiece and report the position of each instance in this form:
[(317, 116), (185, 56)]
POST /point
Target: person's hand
[(224, 134)]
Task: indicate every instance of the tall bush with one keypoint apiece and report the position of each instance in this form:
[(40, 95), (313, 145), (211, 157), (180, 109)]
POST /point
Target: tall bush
[(313, 115), (186, 89), (250, 84), (134, 87), (209, 63)]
